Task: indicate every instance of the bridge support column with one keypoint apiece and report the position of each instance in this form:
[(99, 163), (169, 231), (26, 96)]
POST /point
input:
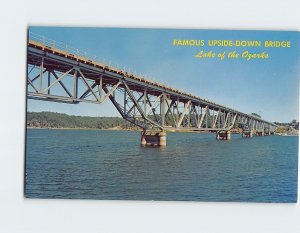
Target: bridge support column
[(153, 138), (247, 134), (223, 135), (259, 133)]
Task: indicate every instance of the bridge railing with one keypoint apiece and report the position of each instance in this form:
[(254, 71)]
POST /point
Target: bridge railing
[(71, 50), (54, 44), (61, 46), (77, 52)]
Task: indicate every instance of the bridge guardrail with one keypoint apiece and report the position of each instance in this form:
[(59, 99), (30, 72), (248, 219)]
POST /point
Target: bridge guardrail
[(61, 46), (71, 50)]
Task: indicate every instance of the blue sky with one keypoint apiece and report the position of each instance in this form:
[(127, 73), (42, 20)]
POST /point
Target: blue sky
[(269, 87)]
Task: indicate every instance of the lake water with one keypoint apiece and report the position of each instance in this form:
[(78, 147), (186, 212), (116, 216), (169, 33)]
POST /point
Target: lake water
[(94, 164)]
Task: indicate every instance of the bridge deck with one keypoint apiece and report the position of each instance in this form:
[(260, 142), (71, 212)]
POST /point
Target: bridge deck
[(112, 74)]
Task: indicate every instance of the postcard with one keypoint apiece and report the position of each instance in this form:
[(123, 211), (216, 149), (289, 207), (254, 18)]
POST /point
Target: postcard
[(162, 114)]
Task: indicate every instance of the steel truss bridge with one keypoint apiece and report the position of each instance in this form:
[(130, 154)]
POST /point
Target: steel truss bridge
[(56, 72)]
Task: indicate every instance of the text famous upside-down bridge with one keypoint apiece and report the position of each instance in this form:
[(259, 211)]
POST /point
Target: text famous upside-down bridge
[(60, 73)]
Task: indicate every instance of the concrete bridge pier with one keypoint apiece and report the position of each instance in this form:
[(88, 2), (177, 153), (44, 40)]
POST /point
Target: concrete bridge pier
[(153, 138), (247, 134), (260, 133), (223, 135)]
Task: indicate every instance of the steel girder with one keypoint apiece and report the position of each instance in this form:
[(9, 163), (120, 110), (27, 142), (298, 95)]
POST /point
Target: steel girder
[(52, 77)]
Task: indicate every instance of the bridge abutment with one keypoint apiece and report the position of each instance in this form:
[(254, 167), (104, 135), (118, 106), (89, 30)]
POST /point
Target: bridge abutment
[(153, 138), (223, 135)]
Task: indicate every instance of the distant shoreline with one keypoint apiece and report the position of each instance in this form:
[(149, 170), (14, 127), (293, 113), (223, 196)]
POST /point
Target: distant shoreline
[(64, 128), (113, 129)]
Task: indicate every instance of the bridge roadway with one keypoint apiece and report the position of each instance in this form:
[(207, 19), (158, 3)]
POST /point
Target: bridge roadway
[(57, 72)]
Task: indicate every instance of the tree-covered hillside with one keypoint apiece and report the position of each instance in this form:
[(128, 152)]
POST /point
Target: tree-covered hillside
[(59, 120)]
